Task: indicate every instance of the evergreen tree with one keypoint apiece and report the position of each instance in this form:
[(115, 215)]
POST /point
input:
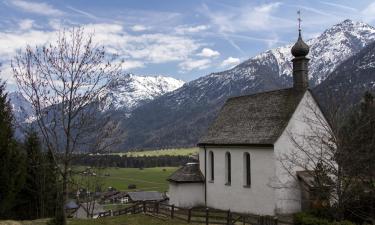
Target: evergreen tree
[(38, 196), (357, 158), (11, 160)]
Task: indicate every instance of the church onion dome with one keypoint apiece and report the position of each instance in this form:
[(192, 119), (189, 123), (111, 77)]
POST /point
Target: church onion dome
[(300, 48)]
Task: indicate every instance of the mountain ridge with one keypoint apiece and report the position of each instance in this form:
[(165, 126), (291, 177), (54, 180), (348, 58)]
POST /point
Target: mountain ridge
[(179, 118)]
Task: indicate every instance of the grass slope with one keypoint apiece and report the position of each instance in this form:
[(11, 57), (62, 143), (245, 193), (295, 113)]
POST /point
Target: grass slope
[(138, 219)]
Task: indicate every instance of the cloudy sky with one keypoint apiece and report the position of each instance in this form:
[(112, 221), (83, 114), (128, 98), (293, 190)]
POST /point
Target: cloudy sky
[(179, 38)]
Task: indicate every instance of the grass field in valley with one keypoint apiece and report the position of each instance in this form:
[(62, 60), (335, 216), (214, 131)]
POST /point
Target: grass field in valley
[(147, 179), (161, 152)]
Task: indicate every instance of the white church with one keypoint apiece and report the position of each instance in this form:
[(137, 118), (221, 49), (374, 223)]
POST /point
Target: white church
[(240, 167)]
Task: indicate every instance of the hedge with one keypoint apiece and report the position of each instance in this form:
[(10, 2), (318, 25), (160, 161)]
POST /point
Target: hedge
[(308, 219)]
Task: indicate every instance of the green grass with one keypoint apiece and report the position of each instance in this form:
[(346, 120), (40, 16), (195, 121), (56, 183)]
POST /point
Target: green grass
[(138, 219), (147, 179), (161, 152)]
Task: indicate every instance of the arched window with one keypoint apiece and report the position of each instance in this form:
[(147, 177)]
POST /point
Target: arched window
[(247, 169), (228, 173), (211, 165)]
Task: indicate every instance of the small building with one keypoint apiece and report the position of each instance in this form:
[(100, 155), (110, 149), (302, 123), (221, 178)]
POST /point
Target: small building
[(106, 196), (120, 197), (140, 196), (88, 210), (186, 187), (71, 207), (241, 153), (311, 198)]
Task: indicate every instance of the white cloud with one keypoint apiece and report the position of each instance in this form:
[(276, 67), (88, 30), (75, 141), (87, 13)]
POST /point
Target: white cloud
[(230, 62), (246, 18), (138, 28), (191, 29), (84, 13), (137, 50), (41, 8), (131, 64), (191, 64), (207, 52), (26, 24), (369, 13), (335, 5)]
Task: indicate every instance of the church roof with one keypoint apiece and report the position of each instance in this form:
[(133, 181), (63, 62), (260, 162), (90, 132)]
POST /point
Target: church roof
[(257, 119), (190, 173)]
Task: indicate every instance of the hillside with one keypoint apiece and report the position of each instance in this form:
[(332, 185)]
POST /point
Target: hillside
[(347, 83)]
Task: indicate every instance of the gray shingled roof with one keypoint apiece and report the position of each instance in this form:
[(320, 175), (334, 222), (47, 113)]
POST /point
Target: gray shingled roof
[(146, 196), (190, 173), (257, 119)]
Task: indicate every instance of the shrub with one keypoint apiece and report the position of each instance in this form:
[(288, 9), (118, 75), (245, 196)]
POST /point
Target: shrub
[(308, 219)]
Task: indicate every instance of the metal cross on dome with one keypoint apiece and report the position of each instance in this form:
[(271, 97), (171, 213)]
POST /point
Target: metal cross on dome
[(299, 19)]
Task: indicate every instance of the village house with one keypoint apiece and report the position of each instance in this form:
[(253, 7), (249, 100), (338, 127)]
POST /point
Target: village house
[(240, 158)]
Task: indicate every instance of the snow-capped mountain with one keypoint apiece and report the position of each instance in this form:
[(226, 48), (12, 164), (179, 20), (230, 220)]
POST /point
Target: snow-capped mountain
[(22, 109), (347, 83), (329, 49), (179, 118), (129, 91)]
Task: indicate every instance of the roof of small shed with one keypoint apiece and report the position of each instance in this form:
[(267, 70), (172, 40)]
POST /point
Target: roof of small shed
[(190, 173), (146, 196), (257, 119)]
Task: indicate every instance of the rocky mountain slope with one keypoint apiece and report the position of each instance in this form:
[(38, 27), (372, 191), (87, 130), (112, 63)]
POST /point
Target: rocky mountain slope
[(22, 109), (347, 83), (124, 93), (129, 91), (179, 118)]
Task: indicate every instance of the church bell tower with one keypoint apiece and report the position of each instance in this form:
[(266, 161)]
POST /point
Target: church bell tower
[(300, 62)]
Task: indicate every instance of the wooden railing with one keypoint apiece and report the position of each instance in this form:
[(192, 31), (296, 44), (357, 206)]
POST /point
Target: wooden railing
[(193, 215)]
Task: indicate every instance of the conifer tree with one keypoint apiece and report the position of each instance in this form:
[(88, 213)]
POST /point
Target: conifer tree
[(38, 196), (11, 160)]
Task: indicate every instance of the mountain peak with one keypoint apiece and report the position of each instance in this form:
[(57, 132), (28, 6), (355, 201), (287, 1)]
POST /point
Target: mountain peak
[(349, 26), (128, 91)]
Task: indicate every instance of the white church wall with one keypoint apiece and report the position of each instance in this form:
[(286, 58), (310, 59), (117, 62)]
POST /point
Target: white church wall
[(287, 189), (186, 194), (258, 198)]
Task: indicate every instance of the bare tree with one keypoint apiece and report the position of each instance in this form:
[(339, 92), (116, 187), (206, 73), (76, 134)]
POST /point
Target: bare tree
[(321, 150), (89, 182), (65, 81)]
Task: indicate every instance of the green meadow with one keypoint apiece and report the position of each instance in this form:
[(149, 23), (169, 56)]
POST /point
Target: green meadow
[(147, 179), (162, 152)]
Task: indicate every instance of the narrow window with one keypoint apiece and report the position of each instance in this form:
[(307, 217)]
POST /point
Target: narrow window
[(228, 168), (211, 160), (247, 168)]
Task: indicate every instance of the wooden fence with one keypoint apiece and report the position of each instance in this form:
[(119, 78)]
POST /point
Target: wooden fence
[(193, 215)]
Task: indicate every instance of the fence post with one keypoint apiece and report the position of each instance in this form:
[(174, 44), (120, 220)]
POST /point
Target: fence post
[(172, 211), (229, 218), (144, 206), (134, 208), (157, 207), (207, 214), (261, 220), (275, 220), (189, 215)]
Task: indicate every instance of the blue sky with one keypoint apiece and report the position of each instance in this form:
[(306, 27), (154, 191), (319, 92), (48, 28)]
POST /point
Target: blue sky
[(179, 38)]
